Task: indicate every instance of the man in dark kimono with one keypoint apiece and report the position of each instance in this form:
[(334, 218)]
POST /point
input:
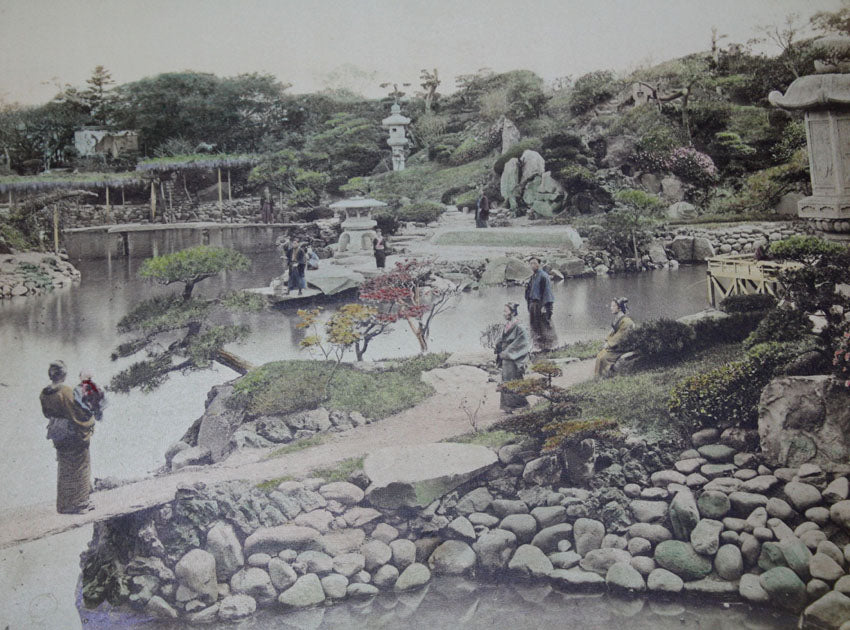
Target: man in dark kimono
[(70, 428), (482, 211), (540, 299)]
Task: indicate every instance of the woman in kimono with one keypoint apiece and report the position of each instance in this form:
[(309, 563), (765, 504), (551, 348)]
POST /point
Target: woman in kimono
[(620, 326), (70, 428), (511, 354), (379, 247)]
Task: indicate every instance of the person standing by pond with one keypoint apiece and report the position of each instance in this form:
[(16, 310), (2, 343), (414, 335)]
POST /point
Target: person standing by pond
[(540, 300), (70, 428), (301, 266), (379, 247), (620, 326), (267, 206), (511, 355), (482, 211)]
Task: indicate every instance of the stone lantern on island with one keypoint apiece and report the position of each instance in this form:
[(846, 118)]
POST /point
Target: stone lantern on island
[(357, 224), (397, 126), (825, 99)]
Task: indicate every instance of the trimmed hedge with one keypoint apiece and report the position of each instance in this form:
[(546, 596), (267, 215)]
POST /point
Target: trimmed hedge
[(747, 303), (780, 324), (660, 341)]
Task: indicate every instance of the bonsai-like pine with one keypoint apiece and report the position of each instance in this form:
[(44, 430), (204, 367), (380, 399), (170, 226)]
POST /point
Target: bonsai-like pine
[(153, 323)]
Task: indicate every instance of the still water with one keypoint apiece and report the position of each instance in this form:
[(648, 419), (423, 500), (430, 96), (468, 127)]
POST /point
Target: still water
[(78, 325)]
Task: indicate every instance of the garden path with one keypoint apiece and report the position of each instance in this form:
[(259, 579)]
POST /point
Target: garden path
[(436, 418)]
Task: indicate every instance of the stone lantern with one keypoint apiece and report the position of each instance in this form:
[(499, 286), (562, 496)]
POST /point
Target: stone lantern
[(825, 99), (397, 126), (357, 224)]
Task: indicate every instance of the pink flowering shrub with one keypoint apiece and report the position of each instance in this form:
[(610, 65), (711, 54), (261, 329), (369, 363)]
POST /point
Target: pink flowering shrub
[(841, 359), (691, 165)]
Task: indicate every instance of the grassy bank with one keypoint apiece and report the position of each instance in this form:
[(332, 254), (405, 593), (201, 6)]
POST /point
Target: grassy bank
[(283, 387)]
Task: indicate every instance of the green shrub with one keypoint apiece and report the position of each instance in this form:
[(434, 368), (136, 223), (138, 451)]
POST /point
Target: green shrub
[(591, 89), (747, 303), (470, 149), (780, 324), (803, 248), (423, 212), (729, 395), (527, 144), (387, 221), (659, 341), (733, 328)]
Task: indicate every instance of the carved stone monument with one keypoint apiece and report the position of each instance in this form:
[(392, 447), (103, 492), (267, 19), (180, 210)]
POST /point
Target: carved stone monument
[(825, 99), (397, 126), (357, 224)]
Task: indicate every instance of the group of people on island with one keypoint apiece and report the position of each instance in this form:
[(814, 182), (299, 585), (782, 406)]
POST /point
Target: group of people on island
[(297, 258), (516, 342)]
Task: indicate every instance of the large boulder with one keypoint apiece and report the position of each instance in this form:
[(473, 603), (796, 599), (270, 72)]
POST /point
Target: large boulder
[(684, 514), (681, 210), (544, 195), (510, 135), (196, 571), (272, 540), (830, 611), (509, 183), (494, 549), (414, 476), (689, 249), (681, 558), (218, 422), (784, 587), (532, 164), (224, 546), (504, 269), (805, 419), (453, 557)]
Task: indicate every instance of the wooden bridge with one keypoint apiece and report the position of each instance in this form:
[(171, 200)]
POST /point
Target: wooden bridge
[(738, 274)]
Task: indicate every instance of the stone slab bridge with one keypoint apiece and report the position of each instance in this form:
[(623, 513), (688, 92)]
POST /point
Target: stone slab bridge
[(437, 418)]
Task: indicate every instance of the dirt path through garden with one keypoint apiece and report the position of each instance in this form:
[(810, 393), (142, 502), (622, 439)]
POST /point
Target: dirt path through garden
[(438, 417)]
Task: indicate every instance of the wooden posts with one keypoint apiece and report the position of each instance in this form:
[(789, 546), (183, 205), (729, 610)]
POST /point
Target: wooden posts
[(108, 213), (153, 200), (55, 229), (229, 189), (220, 198)]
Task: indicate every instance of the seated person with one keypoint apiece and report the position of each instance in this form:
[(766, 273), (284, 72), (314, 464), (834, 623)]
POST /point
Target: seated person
[(620, 326)]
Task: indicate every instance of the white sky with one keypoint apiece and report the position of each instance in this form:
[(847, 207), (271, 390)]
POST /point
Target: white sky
[(48, 42)]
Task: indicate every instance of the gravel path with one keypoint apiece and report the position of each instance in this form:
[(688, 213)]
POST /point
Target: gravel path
[(438, 417)]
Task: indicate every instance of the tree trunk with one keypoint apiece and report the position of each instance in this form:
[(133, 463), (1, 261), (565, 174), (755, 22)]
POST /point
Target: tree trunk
[(234, 362), (420, 337)]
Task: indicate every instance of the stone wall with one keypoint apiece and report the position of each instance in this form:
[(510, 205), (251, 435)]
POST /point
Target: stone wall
[(31, 273), (738, 239), (244, 210)]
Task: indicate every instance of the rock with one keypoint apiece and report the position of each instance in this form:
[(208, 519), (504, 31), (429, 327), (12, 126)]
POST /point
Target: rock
[(726, 485), (206, 616), (477, 500), (711, 588), (341, 541), (832, 550), (361, 590), (717, 453), (588, 534), (255, 582), (564, 559), (672, 189), (494, 549), (656, 252), (830, 611), (413, 476), (802, 496), (797, 556), (613, 541), (524, 526), (282, 575), (704, 436), (643, 564), (819, 515), (193, 456), (639, 546), (509, 183), (837, 490), (649, 511), (822, 567), (532, 164), (461, 529), (713, 504), (690, 249), (653, 533), (225, 548), (547, 539), (663, 478), (453, 557), (376, 553), (771, 556), (158, 608), (320, 520), (750, 589), (757, 518), (600, 560), (839, 513), (681, 558), (780, 509), (386, 576), (343, 492), (505, 507), (784, 588), (812, 538), (546, 516), (316, 562), (729, 563), (272, 539), (414, 576), (307, 591), (260, 560), (622, 576), (335, 586), (743, 503), (196, 571), (235, 607), (802, 419), (386, 533), (688, 466), (359, 516), (705, 536), (404, 553), (780, 530), (664, 581), (576, 578), (544, 195), (217, 425), (684, 514), (712, 471), (529, 562), (543, 471), (760, 484)]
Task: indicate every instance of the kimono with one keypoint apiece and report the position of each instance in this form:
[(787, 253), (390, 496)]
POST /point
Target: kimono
[(379, 246), (512, 350), (482, 212), (612, 351), (539, 298), (73, 477)]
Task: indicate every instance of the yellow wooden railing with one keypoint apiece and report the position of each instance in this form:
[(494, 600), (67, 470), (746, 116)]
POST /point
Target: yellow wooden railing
[(737, 274)]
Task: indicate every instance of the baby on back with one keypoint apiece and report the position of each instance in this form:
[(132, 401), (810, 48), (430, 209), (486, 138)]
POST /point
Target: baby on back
[(89, 396)]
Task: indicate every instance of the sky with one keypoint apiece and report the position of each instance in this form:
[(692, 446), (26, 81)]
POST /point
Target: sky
[(314, 44)]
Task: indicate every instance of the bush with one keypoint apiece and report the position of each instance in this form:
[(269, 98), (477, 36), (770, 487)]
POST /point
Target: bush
[(530, 144), (780, 324), (423, 212), (660, 341), (747, 303), (731, 329), (591, 89), (470, 149), (692, 166), (841, 358), (387, 222), (803, 248), (729, 395)]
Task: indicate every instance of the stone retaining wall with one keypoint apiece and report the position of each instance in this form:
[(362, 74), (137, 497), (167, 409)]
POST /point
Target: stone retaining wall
[(713, 521), (245, 210), (32, 273)]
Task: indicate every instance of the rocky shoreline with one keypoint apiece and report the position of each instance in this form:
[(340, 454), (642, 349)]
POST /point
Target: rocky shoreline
[(34, 273), (713, 521)]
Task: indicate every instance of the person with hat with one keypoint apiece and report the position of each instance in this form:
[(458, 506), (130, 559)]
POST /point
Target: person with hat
[(512, 351), (620, 327), (70, 427)]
